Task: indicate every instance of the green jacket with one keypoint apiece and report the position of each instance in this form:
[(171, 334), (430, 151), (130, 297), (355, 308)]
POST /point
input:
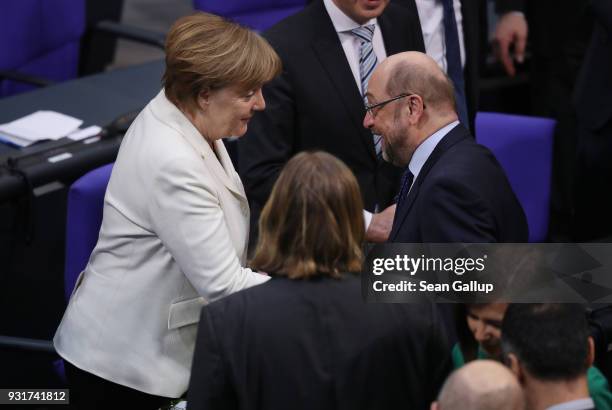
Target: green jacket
[(597, 382)]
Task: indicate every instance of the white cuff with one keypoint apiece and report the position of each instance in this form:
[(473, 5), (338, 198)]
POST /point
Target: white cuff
[(367, 218)]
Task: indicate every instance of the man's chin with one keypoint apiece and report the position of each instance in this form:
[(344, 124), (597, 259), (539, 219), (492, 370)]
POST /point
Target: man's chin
[(391, 159)]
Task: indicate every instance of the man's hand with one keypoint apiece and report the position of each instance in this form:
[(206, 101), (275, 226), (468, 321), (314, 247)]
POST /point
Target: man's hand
[(380, 226), (511, 29)]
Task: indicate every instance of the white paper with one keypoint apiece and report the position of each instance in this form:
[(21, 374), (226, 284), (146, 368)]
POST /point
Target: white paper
[(85, 133), (13, 140), (41, 125)]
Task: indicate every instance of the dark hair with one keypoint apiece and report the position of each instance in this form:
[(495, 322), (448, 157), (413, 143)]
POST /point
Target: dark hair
[(549, 339), (467, 342), (312, 223)]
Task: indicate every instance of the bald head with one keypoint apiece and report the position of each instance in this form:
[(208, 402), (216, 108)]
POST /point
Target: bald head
[(481, 385), (417, 73)]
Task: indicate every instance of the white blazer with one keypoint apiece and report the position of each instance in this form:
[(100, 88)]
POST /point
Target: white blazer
[(173, 238)]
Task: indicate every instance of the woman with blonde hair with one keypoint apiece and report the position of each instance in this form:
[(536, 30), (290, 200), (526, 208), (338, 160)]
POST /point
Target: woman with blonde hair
[(306, 339), (175, 223)]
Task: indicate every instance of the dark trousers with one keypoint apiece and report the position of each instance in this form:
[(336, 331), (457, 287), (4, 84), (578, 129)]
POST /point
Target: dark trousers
[(90, 392)]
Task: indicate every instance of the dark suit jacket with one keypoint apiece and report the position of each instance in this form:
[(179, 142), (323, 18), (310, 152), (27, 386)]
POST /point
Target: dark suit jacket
[(473, 34), (460, 195), (314, 344), (593, 198), (316, 104), (594, 86)]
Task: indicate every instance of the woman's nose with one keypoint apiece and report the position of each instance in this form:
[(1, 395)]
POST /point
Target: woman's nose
[(260, 103), (480, 332)]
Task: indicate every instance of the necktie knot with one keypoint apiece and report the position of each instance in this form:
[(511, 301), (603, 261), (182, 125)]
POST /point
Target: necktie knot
[(365, 33)]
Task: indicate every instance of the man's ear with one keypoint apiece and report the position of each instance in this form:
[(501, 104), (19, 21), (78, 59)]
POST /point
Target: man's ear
[(415, 107), (591, 352), (434, 406), (512, 362)]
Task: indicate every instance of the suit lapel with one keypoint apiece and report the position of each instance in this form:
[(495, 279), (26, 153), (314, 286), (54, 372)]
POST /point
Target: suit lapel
[(455, 135), (393, 43), (400, 214), (224, 169), (330, 54)]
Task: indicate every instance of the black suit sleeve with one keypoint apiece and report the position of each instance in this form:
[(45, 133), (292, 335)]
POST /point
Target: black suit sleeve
[(209, 387), (269, 144), (455, 213)]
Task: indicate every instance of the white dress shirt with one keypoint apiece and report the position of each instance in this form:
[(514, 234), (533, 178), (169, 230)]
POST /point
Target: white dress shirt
[(350, 42), (431, 15), (351, 45)]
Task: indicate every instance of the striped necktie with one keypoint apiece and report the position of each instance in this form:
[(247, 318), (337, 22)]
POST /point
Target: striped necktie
[(367, 63)]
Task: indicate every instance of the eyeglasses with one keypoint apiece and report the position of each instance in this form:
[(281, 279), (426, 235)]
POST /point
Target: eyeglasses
[(374, 108)]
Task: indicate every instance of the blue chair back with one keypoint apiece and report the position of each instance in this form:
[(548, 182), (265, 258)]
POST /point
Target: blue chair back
[(256, 14), (84, 218), (523, 146), (40, 38)]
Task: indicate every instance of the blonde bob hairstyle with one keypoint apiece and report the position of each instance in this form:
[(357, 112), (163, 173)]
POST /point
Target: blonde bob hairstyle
[(312, 223), (207, 52)]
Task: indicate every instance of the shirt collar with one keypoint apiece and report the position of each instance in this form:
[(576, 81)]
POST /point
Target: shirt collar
[(342, 23), (423, 151), (580, 404)]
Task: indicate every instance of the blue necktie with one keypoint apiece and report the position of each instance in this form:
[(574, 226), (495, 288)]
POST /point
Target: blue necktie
[(453, 60), (367, 63), (406, 183)]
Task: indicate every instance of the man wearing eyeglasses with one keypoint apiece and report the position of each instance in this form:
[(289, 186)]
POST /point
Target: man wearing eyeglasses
[(453, 190), (328, 51)]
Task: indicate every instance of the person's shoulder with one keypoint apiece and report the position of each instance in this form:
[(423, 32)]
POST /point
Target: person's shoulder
[(281, 291), (299, 26), (274, 290), (159, 141), (464, 158)]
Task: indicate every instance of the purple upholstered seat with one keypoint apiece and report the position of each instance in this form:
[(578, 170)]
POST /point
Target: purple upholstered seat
[(523, 146), (256, 14), (40, 38), (85, 204)]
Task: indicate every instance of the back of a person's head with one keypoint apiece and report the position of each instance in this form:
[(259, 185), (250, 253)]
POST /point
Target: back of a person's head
[(415, 72), (481, 385), (312, 223), (550, 340)]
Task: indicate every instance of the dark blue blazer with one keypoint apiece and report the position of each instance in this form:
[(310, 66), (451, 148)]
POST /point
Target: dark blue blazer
[(460, 195)]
